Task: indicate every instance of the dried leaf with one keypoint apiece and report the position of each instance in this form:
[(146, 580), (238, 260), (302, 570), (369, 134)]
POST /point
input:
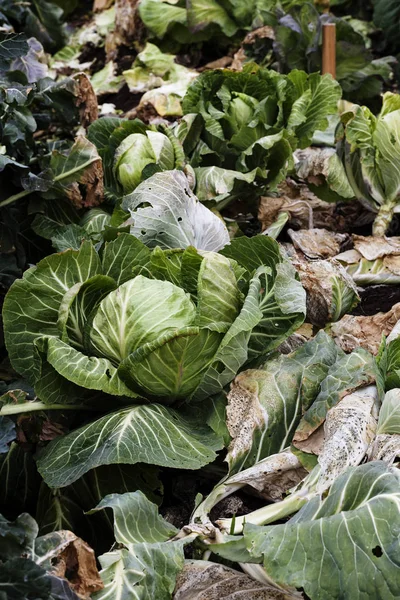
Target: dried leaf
[(319, 243), (273, 476), (220, 63), (238, 60), (372, 248), (99, 5), (202, 580), (306, 210), (77, 563), (349, 428), (128, 27), (331, 291), (365, 331), (51, 430), (314, 443), (86, 100), (312, 164)]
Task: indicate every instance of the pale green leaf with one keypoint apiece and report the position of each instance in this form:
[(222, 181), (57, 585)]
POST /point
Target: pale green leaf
[(389, 415), (139, 312), (87, 372), (136, 519), (32, 304), (150, 434), (172, 216), (344, 547)]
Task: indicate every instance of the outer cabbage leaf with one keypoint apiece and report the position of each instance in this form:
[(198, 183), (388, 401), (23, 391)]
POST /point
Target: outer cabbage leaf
[(342, 547), (266, 405), (34, 302), (172, 216), (281, 297), (350, 372), (386, 445), (349, 428), (147, 565), (150, 434)]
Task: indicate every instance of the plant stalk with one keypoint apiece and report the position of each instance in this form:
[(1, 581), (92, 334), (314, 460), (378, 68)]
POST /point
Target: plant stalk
[(384, 218), (267, 514), (15, 409), (15, 197)]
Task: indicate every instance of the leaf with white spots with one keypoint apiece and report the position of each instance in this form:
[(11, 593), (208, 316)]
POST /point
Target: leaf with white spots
[(266, 405)]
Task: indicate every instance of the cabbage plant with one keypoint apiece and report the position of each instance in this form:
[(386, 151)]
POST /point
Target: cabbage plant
[(369, 155), (132, 151), (135, 330), (141, 323), (296, 43), (240, 128)]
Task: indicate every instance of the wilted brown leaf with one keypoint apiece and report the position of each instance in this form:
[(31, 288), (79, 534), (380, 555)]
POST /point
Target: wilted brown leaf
[(312, 164), (306, 210), (317, 278), (319, 243), (238, 60), (351, 332), (128, 27), (220, 63), (202, 580), (77, 563), (99, 5), (372, 248), (92, 178), (51, 430), (86, 100), (312, 444)]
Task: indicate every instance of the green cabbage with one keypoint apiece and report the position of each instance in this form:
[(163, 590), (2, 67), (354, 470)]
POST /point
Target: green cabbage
[(240, 128), (141, 323)]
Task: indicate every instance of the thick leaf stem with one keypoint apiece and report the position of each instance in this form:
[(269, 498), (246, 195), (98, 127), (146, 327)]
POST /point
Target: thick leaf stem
[(15, 197), (384, 218), (304, 492), (267, 514), (220, 492), (16, 409)]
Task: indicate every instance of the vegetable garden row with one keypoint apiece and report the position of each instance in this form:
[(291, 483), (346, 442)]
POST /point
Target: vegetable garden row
[(200, 288)]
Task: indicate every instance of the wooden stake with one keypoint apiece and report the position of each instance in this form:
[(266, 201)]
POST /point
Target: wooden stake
[(329, 49)]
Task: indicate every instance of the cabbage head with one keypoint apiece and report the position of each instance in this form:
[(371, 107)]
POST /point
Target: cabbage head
[(132, 151), (240, 128), (141, 323)]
